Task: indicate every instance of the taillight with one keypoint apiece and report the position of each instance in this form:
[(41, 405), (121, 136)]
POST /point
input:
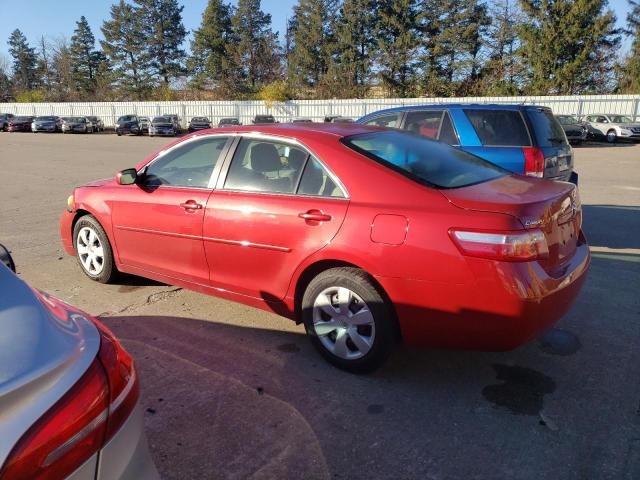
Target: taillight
[(82, 421), (512, 246), (533, 161)]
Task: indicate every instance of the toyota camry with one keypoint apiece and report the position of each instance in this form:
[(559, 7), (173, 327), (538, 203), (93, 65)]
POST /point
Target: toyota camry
[(367, 236)]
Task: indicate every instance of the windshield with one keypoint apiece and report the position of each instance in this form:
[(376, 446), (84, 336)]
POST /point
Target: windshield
[(50, 119), (75, 119), (425, 161), (199, 119), (22, 119), (546, 128), (161, 120), (567, 120), (126, 118), (229, 120), (620, 119)]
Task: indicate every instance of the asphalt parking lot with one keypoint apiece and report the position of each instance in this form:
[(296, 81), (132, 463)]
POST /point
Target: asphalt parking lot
[(234, 392)]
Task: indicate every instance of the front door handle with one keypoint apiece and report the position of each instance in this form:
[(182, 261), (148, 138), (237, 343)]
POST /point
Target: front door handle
[(191, 205), (315, 216)]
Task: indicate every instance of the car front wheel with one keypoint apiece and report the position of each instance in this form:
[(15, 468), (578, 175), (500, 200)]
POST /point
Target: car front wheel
[(348, 319), (611, 136), (93, 250)]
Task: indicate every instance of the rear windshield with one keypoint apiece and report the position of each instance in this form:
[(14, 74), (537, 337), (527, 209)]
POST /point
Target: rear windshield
[(500, 128), (426, 161), (547, 129)]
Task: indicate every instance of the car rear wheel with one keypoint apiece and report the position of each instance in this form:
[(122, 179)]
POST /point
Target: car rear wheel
[(611, 136), (348, 319), (93, 250)]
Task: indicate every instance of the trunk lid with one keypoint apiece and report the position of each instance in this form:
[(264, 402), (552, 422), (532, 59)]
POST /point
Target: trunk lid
[(41, 357), (552, 207)]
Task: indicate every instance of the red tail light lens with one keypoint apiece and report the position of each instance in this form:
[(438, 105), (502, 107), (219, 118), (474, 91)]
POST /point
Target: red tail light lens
[(533, 162), (513, 246), (82, 421)]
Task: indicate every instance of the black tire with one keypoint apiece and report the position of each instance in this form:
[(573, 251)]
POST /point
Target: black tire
[(109, 271), (611, 138), (118, 133), (382, 311)]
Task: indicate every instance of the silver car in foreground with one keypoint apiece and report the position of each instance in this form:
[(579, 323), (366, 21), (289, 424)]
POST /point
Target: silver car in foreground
[(69, 392)]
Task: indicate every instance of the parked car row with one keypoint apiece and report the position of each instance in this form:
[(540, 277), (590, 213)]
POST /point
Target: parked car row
[(50, 123)]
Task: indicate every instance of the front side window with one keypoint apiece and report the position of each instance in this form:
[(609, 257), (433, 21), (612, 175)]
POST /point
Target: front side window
[(430, 163), (499, 128), (391, 120), (188, 165), (425, 123), (265, 166)]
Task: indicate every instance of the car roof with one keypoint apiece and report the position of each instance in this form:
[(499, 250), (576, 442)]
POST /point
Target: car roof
[(441, 106), (301, 130)]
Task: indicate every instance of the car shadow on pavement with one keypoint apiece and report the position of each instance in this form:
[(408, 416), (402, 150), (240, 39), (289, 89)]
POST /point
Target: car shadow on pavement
[(229, 401), (604, 144), (612, 226)]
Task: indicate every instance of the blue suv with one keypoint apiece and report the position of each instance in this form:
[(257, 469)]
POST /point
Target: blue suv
[(524, 139)]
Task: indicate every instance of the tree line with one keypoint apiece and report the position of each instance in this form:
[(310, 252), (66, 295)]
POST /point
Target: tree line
[(333, 49)]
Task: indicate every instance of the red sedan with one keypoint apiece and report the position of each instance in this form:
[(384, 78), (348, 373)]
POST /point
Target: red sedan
[(365, 235)]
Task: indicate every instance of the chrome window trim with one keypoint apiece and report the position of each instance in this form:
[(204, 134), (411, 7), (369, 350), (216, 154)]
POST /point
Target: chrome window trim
[(280, 139)]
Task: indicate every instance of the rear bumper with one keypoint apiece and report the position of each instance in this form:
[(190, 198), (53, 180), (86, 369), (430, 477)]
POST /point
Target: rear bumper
[(126, 456), (508, 305)]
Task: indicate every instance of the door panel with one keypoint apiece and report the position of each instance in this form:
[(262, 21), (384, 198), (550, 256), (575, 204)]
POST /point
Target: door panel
[(254, 242), (275, 206), (153, 231), (158, 221)]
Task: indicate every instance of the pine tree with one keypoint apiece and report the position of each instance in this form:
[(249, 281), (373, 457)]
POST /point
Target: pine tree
[(255, 53), (630, 71), (210, 62), (312, 41), (453, 33), (25, 62), (356, 45), (563, 44), (502, 74), (85, 59), (124, 45), (164, 32), (396, 31)]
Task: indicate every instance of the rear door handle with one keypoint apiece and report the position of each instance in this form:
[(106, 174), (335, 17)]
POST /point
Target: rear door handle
[(191, 205), (315, 215)]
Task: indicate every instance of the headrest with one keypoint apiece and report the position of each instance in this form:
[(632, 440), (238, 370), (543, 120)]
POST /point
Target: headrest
[(265, 158), (297, 158)]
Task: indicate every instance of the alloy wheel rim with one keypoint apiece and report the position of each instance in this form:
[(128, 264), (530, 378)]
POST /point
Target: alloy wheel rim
[(611, 136), (90, 251), (343, 323)]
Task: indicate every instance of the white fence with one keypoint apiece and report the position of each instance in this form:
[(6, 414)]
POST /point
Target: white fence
[(314, 109)]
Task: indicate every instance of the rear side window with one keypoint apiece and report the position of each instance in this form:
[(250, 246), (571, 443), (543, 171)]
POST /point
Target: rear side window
[(425, 123), (546, 128), (317, 181), (391, 120), (499, 128), (265, 166), (425, 161)]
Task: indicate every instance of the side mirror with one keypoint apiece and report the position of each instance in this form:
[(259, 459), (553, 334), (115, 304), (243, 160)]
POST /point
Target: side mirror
[(5, 257), (127, 177)]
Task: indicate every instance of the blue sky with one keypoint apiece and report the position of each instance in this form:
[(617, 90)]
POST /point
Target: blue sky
[(54, 18)]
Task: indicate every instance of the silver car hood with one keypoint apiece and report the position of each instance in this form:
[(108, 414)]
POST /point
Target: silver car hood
[(41, 357)]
